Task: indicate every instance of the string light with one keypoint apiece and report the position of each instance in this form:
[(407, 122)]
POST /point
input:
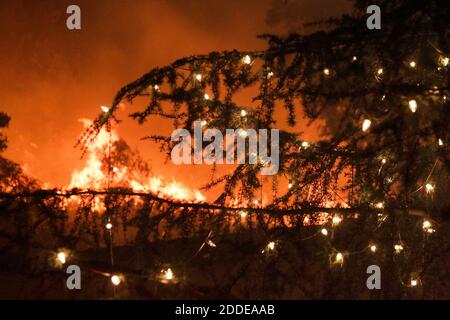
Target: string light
[(429, 188), (379, 205), (412, 64), (305, 144), (339, 258), (115, 279), (104, 109), (366, 125), (109, 226), (380, 71), (168, 274), (243, 113), (398, 248), (355, 58), (269, 247), (427, 226), (61, 256), (290, 185), (243, 214), (270, 75), (156, 87), (414, 282), (383, 161), (412, 105), (326, 71), (204, 123), (211, 243), (243, 133), (247, 59), (198, 77), (324, 232), (336, 220), (440, 142), (444, 61), (373, 248), (206, 96)]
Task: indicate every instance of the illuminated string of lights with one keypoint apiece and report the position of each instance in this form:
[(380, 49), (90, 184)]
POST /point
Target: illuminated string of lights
[(337, 257)]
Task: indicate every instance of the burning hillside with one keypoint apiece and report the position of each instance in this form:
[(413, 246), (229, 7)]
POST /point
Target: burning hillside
[(110, 162)]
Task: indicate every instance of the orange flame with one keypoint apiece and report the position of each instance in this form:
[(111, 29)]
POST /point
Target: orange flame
[(94, 175)]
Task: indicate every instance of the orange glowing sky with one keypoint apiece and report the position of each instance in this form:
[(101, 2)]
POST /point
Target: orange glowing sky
[(52, 77)]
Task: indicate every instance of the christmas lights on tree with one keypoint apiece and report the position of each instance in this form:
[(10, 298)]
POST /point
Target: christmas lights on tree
[(348, 196)]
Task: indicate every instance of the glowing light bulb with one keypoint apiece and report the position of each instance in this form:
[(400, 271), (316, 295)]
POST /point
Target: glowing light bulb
[(211, 243), (109, 226), (61, 256), (168, 274), (412, 105), (247, 59), (444, 61), (324, 231), (336, 220), (383, 161), (290, 185), (440, 142), (270, 75), (326, 71), (271, 245), (355, 58), (380, 71), (243, 133), (206, 96), (427, 226), (204, 123), (366, 124), (243, 113), (115, 279), (398, 248), (429, 188), (104, 109), (412, 64), (198, 77), (156, 87), (243, 214), (339, 258), (373, 248), (305, 144), (414, 282), (379, 205)]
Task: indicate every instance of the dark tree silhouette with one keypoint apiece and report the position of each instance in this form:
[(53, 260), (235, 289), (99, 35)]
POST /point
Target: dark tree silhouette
[(382, 164)]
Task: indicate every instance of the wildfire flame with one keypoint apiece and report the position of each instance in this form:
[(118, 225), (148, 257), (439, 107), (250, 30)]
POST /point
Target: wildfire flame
[(94, 175)]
